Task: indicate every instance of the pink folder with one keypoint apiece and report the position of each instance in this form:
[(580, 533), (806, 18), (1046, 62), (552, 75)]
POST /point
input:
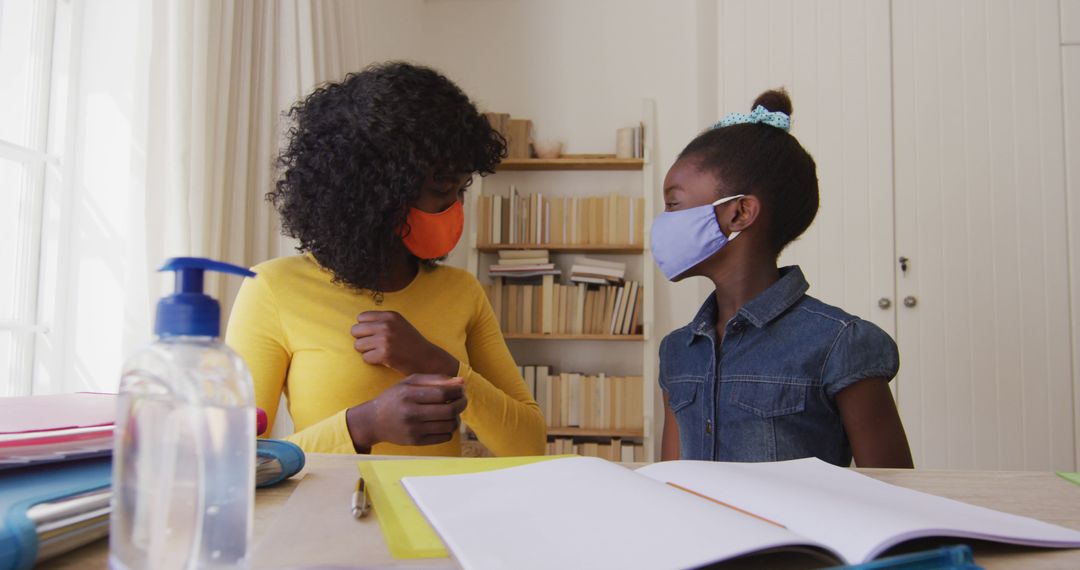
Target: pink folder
[(47, 429), (26, 414)]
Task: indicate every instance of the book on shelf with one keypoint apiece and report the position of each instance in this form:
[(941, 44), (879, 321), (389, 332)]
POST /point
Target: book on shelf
[(516, 132), (619, 450), (523, 264), (803, 507), (524, 272), (630, 141), (519, 138), (639, 141), (630, 305), (597, 271), (500, 122), (589, 401), (519, 254), (537, 219), (547, 307)]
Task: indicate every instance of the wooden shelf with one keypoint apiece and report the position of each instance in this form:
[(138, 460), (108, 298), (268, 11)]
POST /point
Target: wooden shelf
[(587, 432), (563, 248), (572, 163), (539, 336)]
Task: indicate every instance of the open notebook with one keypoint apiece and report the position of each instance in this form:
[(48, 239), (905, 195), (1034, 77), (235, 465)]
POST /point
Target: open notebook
[(589, 513)]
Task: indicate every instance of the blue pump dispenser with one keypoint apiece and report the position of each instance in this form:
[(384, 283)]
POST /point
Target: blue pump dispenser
[(184, 459), (189, 311)]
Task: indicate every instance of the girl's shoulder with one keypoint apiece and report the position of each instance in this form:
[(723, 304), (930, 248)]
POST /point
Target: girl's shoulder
[(833, 323), (853, 348), (815, 309)]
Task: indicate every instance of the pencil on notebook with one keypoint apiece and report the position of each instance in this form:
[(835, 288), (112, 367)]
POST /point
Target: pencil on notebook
[(722, 503)]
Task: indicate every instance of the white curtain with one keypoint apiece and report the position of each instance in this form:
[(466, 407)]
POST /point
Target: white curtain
[(220, 76), (166, 118)]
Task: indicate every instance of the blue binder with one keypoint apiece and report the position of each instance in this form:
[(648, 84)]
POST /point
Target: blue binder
[(276, 461), (21, 489)]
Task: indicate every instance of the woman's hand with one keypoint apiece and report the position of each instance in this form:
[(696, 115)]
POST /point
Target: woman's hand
[(422, 409), (386, 338)]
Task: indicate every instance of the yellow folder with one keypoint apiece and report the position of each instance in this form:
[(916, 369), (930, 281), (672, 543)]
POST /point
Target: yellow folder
[(407, 532)]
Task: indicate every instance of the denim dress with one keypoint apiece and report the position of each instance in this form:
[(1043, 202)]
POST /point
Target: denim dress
[(767, 392)]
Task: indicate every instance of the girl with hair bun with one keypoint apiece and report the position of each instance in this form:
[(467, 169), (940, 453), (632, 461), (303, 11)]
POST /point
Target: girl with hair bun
[(764, 372)]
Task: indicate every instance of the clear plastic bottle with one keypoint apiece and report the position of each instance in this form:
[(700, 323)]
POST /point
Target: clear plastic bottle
[(184, 457)]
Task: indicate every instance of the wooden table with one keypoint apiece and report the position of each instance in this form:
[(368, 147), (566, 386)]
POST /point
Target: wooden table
[(1040, 495)]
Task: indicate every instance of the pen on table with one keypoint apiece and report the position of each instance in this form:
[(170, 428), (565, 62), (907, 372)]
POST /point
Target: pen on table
[(359, 499)]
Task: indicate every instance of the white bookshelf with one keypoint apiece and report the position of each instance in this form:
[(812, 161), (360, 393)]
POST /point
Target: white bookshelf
[(620, 355)]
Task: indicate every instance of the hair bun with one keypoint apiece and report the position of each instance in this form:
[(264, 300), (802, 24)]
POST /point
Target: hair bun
[(774, 100)]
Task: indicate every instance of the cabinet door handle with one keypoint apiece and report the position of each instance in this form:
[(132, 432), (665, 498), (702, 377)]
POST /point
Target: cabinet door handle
[(884, 303), (910, 301)]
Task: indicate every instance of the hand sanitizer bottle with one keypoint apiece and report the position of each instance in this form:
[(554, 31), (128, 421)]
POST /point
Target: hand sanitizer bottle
[(184, 457)]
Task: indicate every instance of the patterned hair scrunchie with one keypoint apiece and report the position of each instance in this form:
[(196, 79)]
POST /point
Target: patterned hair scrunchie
[(759, 115)]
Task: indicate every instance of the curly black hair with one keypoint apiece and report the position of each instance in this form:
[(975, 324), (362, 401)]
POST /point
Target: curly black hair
[(357, 154)]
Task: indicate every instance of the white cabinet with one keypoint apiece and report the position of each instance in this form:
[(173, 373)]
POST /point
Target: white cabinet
[(981, 213), (939, 130), (1070, 64), (833, 57)]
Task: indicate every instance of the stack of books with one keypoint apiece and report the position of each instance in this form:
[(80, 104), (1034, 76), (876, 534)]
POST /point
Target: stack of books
[(526, 263), (55, 474), (597, 271), (552, 308), (539, 220)]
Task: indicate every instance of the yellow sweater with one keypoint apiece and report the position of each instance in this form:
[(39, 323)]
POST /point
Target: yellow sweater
[(291, 325)]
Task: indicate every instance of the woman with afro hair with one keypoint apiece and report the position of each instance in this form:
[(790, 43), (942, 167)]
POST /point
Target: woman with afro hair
[(377, 347)]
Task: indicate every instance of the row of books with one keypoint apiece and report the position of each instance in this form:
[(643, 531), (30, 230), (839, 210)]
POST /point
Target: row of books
[(614, 450), (535, 219), (587, 401), (553, 308)]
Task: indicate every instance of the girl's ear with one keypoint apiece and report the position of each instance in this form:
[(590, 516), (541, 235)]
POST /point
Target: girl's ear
[(741, 215)]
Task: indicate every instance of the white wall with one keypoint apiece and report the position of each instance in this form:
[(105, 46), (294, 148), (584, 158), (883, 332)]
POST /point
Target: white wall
[(1070, 22), (834, 60)]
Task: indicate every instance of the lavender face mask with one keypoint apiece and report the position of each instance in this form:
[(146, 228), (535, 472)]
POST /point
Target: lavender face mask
[(682, 239)]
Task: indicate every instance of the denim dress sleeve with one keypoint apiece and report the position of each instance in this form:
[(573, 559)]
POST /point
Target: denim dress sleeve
[(861, 350)]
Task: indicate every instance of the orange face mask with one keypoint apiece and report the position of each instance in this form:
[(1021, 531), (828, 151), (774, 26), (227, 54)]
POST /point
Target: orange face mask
[(433, 235)]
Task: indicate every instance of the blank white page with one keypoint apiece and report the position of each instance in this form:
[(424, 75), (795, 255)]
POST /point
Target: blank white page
[(583, 513), (855, 515)]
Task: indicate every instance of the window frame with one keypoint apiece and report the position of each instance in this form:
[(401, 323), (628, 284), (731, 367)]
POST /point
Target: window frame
[(27, 325)]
